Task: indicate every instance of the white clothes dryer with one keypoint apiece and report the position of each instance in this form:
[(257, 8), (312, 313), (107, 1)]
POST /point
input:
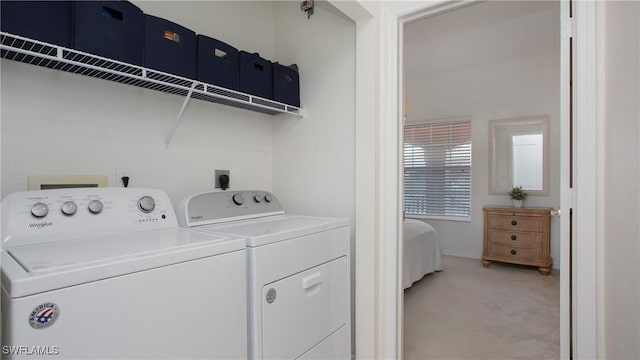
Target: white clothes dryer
[(298, 272), (106, 273)]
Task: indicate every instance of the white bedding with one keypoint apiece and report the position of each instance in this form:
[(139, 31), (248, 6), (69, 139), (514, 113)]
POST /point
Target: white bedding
[(421, 251)]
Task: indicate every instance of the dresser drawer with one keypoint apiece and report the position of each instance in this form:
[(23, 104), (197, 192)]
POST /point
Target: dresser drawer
[(519, 236), (514, 254), (514, 222), (514, 238)]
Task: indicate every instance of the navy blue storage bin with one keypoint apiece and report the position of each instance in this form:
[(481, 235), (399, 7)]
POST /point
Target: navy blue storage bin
[(286, 84), (218, 63), (48, 21), (169, 47), (113, 29), (256, 75)]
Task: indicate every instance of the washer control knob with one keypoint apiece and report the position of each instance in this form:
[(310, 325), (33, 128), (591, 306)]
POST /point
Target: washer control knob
[(146, 204), (268, 197), (95, 206), (238, 199), (40, 210), (257, 198), (69, 208)]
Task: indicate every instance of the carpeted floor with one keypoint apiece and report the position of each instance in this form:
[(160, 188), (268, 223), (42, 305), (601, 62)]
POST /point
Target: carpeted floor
[(471, 312)]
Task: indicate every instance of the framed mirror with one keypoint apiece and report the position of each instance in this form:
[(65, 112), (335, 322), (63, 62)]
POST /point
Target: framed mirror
[(519, 155)]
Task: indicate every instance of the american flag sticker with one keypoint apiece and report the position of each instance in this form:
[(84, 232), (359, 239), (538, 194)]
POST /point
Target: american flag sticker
[(170, 35), (44, 315)]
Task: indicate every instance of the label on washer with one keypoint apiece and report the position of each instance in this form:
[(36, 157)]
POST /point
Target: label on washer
[(271, 295), (44, 315)]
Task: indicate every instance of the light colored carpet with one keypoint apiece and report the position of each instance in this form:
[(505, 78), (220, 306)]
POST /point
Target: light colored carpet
[(471, 312)]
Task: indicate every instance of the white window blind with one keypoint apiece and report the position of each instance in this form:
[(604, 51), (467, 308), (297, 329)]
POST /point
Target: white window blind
[(437, 169)]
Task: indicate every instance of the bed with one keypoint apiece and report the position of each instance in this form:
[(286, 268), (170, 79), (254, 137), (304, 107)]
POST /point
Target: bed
[(421, 251)]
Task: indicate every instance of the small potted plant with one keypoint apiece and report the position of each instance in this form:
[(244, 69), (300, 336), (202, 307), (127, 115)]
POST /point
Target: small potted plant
[(518, 196)]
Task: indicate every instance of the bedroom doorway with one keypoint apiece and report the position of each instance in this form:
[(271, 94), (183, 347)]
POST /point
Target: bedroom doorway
[(485, 61)]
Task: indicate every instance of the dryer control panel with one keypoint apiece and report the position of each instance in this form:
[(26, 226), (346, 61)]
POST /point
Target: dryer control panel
[(223, 206), (49, 215)]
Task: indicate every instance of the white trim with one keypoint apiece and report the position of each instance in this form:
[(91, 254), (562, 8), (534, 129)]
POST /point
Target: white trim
[(585, 176), (366, 305), (391, 176), (416, 12)]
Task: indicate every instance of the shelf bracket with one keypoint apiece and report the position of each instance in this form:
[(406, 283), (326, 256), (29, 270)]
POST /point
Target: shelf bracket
[(167, 140), (59, 53)]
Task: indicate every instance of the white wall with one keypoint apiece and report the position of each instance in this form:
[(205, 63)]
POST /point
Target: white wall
[(56, 123), (621, 182), (314, 158), (493, 60)]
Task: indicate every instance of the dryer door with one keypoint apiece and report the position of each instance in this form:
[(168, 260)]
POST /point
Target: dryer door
[(301, 310)]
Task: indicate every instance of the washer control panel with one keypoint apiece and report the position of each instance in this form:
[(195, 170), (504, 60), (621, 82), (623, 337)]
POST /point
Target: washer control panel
[(48, 215), (221, 206)]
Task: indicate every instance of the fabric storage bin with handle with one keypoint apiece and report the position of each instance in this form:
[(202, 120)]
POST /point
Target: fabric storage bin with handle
[(256, 75), (286, 84), (113, 29), (218, 63), (169, 47), (48, 21)]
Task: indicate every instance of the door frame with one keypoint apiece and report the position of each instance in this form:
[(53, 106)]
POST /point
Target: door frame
[(581, 198)]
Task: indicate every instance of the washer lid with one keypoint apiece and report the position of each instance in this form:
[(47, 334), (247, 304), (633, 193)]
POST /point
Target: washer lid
[(272, 229), (41, 267)]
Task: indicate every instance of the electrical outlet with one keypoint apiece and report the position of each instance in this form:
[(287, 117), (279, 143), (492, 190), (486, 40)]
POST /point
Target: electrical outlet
[(121, 172), (217, 177)]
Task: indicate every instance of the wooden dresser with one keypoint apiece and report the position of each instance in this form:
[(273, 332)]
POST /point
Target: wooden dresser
[(519, 236)]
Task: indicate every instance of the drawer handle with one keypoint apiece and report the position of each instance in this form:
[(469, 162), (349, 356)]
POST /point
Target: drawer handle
[(513, 237), (513, 252), (514, 223)]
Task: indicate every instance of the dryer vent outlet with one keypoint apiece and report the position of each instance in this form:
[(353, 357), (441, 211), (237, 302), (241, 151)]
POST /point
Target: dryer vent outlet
[(217, 175)]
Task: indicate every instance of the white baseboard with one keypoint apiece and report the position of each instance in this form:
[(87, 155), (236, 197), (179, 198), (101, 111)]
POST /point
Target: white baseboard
[(461, 253), (472, 255)]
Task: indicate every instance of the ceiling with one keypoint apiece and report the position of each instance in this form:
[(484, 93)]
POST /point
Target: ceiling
[(489, 31)]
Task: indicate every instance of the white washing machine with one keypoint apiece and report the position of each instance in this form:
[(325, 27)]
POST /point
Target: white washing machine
[(106, 273), (298, 272)]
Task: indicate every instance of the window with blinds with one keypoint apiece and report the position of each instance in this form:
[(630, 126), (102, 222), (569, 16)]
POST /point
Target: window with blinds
[(437, 169)]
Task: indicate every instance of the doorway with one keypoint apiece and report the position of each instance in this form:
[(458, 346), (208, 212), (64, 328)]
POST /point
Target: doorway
[(486, 61), (378, 214)]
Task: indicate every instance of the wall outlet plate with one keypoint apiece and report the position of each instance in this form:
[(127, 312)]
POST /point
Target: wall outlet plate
[(217, 177)]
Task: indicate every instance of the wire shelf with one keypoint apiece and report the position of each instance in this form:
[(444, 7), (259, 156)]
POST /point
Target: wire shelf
[(34, 52)]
